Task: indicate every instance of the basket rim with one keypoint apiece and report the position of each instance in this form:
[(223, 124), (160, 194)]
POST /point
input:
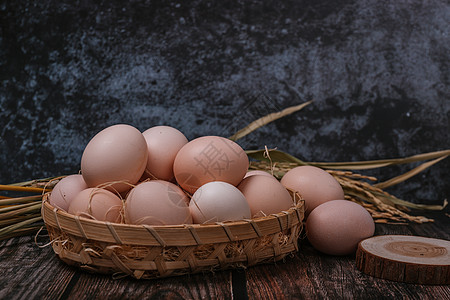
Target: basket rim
[(169, 235)]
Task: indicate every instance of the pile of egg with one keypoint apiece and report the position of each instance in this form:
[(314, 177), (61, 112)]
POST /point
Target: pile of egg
[(158, 177)]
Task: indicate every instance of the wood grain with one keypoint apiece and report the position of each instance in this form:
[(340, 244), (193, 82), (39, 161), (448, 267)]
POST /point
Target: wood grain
[(312, 275), (30, 272), (208, 286), (405, 258)]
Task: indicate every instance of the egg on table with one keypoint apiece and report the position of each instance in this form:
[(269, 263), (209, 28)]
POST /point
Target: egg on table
[(336, 227)]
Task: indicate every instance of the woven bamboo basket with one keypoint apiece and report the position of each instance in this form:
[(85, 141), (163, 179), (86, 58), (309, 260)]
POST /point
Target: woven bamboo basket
[(147, 252)]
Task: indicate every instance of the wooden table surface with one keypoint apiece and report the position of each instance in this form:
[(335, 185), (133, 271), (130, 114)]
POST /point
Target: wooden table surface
[(32, 272)]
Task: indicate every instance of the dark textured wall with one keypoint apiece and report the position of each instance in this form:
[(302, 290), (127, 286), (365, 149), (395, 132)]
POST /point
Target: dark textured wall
[(377, 70)]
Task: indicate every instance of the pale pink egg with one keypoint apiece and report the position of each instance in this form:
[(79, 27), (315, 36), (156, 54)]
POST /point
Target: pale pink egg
[(116, 154), (97, 203), (336, 227), (207, 159), (157, 202), (218, 201), (315, 185), (163, 143), (265, 195), (65, 190)]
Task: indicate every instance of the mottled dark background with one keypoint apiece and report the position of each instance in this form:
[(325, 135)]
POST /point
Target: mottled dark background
[(377, 70)]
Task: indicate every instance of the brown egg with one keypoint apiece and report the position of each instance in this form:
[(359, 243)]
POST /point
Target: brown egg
[(97, 203), (157, 202), (207, 159), (265, 195), (336, 227), (163, 143), (218, 201), (315, 185), (258, 172), (117, 153), (65, 190)]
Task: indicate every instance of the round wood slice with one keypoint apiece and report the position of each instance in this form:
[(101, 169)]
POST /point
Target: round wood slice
[(411, 259)]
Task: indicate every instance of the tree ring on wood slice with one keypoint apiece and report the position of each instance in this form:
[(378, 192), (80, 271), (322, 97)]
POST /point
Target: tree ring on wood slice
[(411, 259)]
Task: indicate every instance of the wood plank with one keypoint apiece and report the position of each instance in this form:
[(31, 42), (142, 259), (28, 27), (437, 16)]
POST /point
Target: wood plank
[(312, 275), (30, 272), (438, 229), (201, 286)]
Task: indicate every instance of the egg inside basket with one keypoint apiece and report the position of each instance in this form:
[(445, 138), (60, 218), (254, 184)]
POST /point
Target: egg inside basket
[(146, 252)]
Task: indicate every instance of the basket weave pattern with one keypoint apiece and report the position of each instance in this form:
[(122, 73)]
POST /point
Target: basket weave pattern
[(146, 252)]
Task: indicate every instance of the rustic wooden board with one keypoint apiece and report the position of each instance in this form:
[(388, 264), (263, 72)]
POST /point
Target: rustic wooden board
[(30, 272), (313, 275), (184, 287)]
